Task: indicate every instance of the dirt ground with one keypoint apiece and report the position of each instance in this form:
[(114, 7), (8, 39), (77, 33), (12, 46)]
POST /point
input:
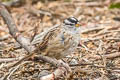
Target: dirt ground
[(97, 56)]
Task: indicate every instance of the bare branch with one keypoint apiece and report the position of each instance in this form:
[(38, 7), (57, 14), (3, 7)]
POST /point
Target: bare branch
[(8, 59), (108, 56), (13, 29)]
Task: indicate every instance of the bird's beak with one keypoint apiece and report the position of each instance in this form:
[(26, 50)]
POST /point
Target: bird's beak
[(77, 25)]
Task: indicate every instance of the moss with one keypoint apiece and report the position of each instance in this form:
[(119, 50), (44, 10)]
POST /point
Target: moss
[(114, 5)]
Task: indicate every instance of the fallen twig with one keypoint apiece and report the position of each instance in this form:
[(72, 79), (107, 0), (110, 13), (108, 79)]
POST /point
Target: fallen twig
[(107, 56), (7, 76), (9, 59), (4, 37), (13, 29)]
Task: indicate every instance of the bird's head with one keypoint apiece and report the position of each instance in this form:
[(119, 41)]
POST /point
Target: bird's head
[(71, 22)]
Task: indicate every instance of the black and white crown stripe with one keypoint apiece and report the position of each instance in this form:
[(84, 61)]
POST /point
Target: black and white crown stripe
[(70, 21)]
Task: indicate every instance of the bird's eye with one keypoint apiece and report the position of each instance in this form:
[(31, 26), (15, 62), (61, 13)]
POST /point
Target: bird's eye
[(71, 24)]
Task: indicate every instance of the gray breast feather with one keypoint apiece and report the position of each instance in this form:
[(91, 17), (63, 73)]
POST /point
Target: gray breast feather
[(62, 38)]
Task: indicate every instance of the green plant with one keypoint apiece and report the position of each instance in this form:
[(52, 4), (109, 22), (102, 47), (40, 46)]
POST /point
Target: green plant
[(114, 5)]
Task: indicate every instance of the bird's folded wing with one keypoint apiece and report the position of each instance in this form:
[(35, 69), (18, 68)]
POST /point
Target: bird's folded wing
[(39, 38), (51, 40)]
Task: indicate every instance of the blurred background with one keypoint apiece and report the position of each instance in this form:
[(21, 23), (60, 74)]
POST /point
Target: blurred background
[(97, 56)]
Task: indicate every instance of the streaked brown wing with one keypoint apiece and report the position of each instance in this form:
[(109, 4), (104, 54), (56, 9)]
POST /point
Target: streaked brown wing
[(49, 39)]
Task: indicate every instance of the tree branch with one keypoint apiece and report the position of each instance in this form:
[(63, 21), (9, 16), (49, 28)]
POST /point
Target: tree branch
[(13, 29)]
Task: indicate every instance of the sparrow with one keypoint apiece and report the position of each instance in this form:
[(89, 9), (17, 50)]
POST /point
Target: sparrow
[(59, 41)]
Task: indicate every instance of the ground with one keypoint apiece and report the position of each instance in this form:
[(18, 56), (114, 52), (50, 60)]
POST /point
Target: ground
[(97, 55)]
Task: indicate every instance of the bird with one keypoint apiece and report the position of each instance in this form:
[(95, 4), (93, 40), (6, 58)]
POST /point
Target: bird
[(59, 41)]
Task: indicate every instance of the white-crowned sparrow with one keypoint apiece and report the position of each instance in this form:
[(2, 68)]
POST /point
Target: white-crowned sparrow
[(58, 41)]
